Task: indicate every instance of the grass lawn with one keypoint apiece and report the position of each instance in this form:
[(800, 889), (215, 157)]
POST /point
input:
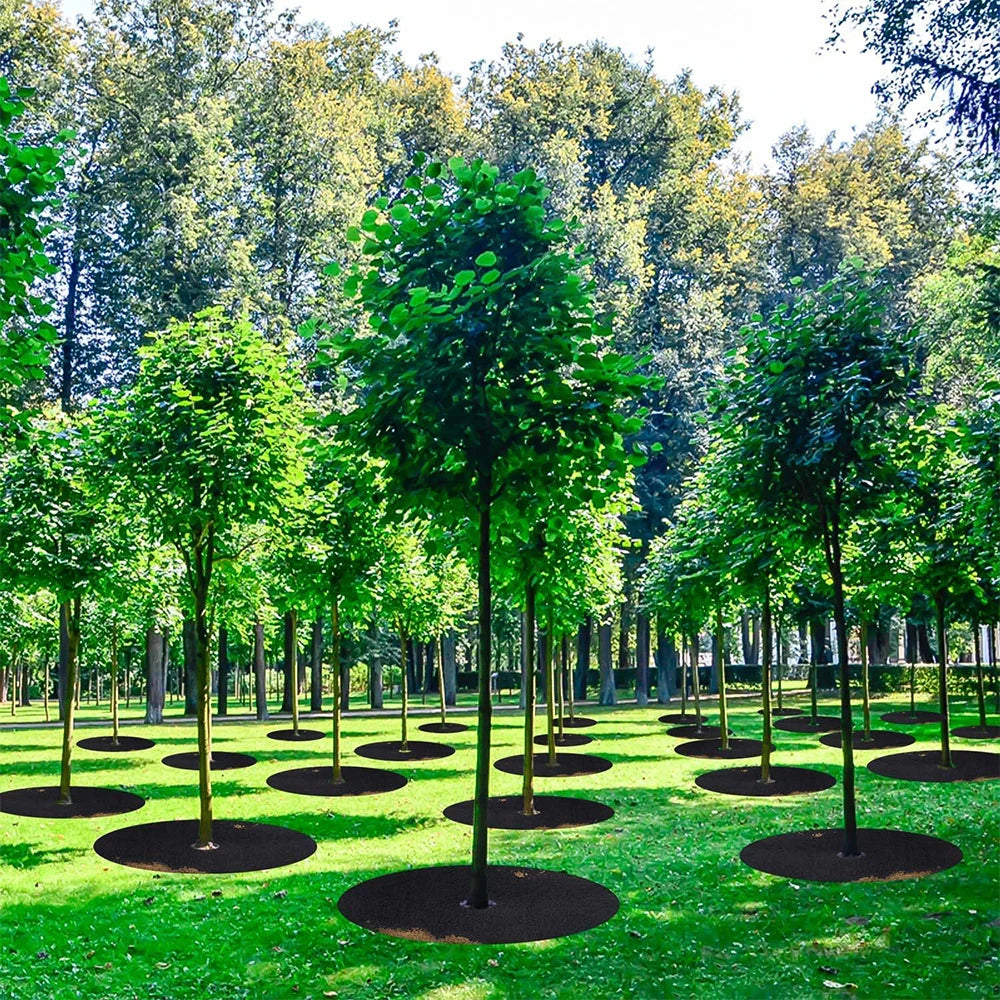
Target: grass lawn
[(694, 921)]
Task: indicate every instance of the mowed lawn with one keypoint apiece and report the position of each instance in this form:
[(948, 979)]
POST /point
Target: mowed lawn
[(694, 921)]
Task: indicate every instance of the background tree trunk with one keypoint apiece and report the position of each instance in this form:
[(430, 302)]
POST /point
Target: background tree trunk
[(64, 690), (666, 664), (608, 696), (189, 640), (259, 676), (374, 668), (450, 669), (642, 658), (316, 666), (223, 670), (155, 675), (288, 689), (583, 658)]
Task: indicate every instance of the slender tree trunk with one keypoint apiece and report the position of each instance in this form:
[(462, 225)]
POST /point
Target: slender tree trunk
[(528, 683), (404, 746), (550, 684), (338, 778), (203, 694), (288, 698), (765, 686), (114, 684), (583, 657), (684, 676), (623, 635), (316, 667), (71, 610), (779, 652), (721, 668), (155, 676), (642, 658), (45, 690), (65, 691), (608, 695), (450, 669), (980, 682), (696, 681), (440, 679), (866, 704), (259, 673), (223, 697), (375, 696), (561, 683), (190, 645), (14, 678), (666, 664), (940, 598)]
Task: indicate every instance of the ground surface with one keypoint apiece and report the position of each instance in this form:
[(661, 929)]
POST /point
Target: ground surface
[(694, 921)]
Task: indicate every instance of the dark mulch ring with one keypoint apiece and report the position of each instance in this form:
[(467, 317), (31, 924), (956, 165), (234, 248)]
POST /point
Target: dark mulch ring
[(911, 718), (87, 802), (578, 722), (567, 765), (552, 812), (887, 855), (302, 736), (712, 749), (241, 847), (807, 724), (881, 739), (392, 750), (106, 744), (679, 719), (526, 904), (925, 765), (443, 727), (319, 781), (977, 732), (693, 732), (566, 740), (783, 711), (222, 760), (784, 781)]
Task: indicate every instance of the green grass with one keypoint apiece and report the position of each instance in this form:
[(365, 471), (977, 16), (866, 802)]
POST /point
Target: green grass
[(694, 921)]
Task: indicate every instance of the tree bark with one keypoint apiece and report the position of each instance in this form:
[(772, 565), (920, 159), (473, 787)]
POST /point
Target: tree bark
[(259, 673), (940, 599), (550, 686), (375, 696), (316, 666), (666, 664), (338, 777), (866, 704), (608, 695), (114, 684), (528, 686), (642, 658), (223, 697), (65, 691), (404, 687), (624, 623), (450, 670), (189, 641), (288, 698), (721, 671), (583, 657), (765, 687), (72, 625)]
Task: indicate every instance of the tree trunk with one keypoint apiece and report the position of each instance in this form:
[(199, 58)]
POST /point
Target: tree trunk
[(375, 698), (528, 686), (866, 704), (316, 666), (624, 660), (440, 680), (980, 682), (765, 687), (223, 699), (924, 644), (404, 688), (203, 697), (561, 683), (940, 598), (259, 673), (189, 641), (338, 777), (450, 669), (288, 690), (642, 658), (583, 657), (666, 664), (879, 641), (65, 690), (114, 684), (608, 696), (292, 666), (45, 690), (550, 690), (696, 681), (721, 671), (71, 612)]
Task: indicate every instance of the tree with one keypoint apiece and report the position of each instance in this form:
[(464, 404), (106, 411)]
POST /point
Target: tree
[(207, 439), (484, 360)]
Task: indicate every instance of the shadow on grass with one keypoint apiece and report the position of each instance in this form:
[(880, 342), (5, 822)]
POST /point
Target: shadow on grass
[(81, 765), (23, 858)]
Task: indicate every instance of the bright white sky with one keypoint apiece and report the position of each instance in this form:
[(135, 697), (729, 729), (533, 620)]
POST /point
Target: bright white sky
[(771, 51)]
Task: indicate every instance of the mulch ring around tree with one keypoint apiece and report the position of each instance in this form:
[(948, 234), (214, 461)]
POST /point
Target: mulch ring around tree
[(783, 711), (443, 727), (526, 904), (240, 847), (784, 781), (222, 760), (578, 722), (881, 739), (552, 812), (694, 733), (106, 744), (925, 765), (911, 718), (567, 765), (887, 855), (291, 736), (392, 750), (87, 802), (566, 740), (319, 781), (977, 732), (807, 724), (712, 749), (679, 719)]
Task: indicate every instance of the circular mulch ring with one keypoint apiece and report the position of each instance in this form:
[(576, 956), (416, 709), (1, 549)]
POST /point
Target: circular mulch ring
[(106, 744), (712, 749), (784, 781), (679, 719), (418, 750), (783, 711), (319, 781), (887, 855), (881, 739), (694, 733), (977, 732), (566, 740), (87, 802), (552, 812), (242, 847), (291, 736), (807, 724), (443, 727), (568, 765), (222, 760), (923, 765), (526, 904), (578, 722), (911, 718)]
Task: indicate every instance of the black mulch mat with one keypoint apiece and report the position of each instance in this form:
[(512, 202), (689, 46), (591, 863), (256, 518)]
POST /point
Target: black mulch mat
[(925, 765), (881, 739), (977, 732), (526, 904), (784, 781), (911, 718), (887, 856), (807, 724), (319, 781), (106, 744), (443, 727), (87, 802), (712, 749), (578, 722), (694, 733), (222, 760), (242, 847), (567, 765), (679, 719), (390, 750), (302, 736), (566, 740), (783, 711), (552, 812)]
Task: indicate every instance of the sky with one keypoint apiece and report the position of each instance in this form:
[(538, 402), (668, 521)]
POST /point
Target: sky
[(771, 51)]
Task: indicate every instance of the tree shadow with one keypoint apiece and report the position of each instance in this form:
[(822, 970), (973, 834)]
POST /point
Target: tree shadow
[(23, 857)]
